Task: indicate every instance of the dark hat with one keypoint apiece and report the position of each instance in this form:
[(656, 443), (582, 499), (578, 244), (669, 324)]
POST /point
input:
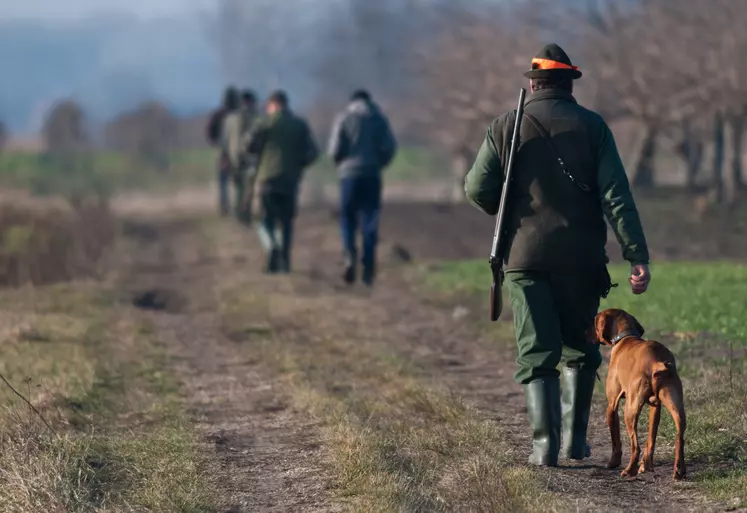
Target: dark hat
[(552, 61), (361, 94), (248, 96), (280, 97), (231, 98)]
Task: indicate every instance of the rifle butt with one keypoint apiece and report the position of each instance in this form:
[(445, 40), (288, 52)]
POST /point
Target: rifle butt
[(496, 301)]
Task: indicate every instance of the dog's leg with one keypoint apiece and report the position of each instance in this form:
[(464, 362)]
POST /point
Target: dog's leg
[(654, 415), (672, 398), (633, 406), (614, 393)]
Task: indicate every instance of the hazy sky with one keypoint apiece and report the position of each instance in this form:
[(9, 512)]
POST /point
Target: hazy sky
[(56, 9)]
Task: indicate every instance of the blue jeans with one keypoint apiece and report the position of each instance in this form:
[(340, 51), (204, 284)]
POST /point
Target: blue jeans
[(360, 207)]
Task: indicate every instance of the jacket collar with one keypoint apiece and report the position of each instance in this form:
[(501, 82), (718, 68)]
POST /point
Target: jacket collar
[(279, 114), (361, 106), (552, 94)]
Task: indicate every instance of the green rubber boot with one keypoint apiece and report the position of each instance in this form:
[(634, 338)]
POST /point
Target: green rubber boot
[(543, 407), (578, 389)]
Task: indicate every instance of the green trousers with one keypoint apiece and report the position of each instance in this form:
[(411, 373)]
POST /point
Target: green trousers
[(276, 229), (552, 313)]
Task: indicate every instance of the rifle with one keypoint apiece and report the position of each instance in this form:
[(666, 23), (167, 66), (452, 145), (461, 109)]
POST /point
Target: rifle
[(498, 250)]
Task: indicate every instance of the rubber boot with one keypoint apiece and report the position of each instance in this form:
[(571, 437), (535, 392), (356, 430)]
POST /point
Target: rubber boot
[(543, 407), (578, 389), (273, 261), (369, 274), (284, 264), (349, 274)]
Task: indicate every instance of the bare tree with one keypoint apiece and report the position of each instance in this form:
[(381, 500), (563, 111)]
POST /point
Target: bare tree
[(472, 72), (4, 136), (149, 133), (258, 43), (64, 129)]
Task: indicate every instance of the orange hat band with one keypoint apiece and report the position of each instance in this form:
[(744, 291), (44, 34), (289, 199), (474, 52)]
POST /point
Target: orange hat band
[(548, 64)]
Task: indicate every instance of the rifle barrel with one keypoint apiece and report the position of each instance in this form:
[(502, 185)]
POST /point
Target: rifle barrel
[(500, 221)]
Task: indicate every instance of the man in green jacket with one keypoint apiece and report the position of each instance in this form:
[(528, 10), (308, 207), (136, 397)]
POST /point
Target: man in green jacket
[(284, 147), (225, 136), (247, 175), (556, 263), (233, 135)]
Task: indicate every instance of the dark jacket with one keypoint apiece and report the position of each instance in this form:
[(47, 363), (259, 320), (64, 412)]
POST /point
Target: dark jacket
[(284, 147), (362, 141), (551, 223)]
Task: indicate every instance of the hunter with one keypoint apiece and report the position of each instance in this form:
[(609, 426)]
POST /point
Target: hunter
[(237, 122), (361, 146), (284, 146), (248, 172), (556, 261)]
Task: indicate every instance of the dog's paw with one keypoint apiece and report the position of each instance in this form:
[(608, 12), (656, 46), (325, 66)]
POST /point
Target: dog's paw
[(679, 475), (645, 467), (629, 472), (615, 461)]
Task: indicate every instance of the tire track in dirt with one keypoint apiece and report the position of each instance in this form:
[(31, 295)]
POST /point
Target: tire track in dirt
[(267, 457)]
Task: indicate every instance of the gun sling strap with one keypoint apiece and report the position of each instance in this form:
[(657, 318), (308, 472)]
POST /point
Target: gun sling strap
[(548, 140)]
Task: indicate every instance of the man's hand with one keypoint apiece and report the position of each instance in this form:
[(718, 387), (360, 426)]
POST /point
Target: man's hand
[(640, 276)]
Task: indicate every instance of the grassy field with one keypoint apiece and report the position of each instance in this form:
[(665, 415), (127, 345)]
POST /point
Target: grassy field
[(395, 394), (116, 438), (101, 172), (108, 172), (698, 310)]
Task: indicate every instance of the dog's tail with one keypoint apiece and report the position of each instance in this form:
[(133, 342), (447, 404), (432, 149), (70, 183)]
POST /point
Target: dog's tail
[(659, 373)]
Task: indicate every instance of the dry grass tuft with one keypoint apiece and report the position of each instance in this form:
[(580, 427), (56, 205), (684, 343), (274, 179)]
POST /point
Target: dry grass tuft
[(396, 441), (96, 374), (50, 244)]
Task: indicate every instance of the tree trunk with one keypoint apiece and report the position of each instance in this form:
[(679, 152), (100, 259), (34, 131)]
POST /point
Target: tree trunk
[(737, 134), (694, 163), (644, 167), (461, 163), (733, 128), (718, 159), (691, 151)]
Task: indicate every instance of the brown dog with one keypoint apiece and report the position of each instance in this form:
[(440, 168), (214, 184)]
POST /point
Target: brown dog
[(644, 372)]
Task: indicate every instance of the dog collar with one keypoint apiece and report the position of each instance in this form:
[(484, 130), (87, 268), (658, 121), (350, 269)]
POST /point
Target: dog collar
[(624, 334)]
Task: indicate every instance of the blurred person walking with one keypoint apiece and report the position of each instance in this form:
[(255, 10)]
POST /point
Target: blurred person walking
[(284, 147), (247, 175), (567, 178), (362, 146), (224, 131)]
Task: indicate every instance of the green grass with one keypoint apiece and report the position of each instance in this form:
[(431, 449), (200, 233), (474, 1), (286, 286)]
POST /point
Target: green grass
[(683, 297), (101, 172), (107, 172), (698, 310)]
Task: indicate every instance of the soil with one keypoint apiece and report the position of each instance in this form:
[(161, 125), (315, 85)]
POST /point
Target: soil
[(269, 456)]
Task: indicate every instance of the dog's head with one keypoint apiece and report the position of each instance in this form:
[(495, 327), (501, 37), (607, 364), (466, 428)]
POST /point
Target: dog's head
[(612, 325)]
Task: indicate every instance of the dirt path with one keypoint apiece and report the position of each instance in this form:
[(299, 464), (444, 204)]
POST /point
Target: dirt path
[(268, 457), (271, 456)]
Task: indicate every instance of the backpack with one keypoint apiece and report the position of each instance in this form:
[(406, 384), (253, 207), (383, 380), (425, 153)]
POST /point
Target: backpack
[(214, 126)]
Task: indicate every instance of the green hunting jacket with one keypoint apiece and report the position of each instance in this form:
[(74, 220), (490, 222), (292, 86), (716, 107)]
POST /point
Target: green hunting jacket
[(284, 147), (551, 223)]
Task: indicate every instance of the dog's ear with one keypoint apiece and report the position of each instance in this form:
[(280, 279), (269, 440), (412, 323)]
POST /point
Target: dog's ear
[(636, 325), (603, 328)]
